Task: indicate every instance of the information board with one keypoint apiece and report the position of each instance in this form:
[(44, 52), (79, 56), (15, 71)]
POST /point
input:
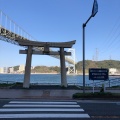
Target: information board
[(98, 74)]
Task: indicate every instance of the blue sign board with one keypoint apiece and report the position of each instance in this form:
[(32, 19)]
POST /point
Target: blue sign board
[(98, 74)]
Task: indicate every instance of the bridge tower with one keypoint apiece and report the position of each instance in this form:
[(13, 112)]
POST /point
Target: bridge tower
[(71, 67)]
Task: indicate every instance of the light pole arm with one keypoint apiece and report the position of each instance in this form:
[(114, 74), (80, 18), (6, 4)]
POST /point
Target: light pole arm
[(84, 24)]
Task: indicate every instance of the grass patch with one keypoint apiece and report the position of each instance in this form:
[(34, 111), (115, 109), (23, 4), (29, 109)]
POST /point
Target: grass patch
[(6, 85), (18, 83), (96, 95), (115, 86), (9, 85)]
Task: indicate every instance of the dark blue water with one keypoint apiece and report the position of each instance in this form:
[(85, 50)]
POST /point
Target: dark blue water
[(43, 78)]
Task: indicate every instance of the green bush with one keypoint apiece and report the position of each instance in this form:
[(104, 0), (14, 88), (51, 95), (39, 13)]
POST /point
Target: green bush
[(5, 84), (93, 95), (18, 83)]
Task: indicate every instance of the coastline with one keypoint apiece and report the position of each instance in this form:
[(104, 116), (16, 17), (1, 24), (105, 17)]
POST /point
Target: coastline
[(44, 73), (112, 75), (31, 73)]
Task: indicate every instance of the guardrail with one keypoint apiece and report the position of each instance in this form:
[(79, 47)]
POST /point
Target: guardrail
[(108, 83), (7, 82), (69, 84)]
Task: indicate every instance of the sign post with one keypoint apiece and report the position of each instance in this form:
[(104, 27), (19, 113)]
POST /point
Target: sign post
[(104, 86), (93, 86)]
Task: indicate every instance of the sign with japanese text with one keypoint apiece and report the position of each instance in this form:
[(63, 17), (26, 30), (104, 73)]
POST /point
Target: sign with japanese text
[(98, 74)]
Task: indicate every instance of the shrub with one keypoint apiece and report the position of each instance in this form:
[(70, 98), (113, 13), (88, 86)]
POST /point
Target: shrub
[(93, 95)]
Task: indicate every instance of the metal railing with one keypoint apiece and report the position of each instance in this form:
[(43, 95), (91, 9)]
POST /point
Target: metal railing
[(7, 82), (108, 83)]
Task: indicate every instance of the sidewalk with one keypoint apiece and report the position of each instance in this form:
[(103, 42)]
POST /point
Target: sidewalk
[(60, 94), (37, 94)]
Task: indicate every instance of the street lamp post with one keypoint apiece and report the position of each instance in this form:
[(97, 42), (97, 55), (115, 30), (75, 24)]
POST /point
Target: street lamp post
[(94, 11)]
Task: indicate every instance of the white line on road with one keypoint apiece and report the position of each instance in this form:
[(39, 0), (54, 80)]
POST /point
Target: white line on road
[(42, 102), (44, 116), (40, 109), (65, 106)]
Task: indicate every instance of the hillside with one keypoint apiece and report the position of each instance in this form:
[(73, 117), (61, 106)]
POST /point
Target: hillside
[(88, 64), (45, 69), (98, 64)]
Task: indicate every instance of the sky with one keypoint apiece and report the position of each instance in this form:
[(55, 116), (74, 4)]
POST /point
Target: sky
[(61, 21)]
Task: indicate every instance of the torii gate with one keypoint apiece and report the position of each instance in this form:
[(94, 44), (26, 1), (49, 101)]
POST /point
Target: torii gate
[(29, 51)]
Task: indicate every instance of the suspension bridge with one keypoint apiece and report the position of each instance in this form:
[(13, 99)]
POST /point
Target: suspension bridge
[(10, 32)]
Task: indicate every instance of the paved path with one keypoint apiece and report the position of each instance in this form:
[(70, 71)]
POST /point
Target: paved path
[(41, 94)]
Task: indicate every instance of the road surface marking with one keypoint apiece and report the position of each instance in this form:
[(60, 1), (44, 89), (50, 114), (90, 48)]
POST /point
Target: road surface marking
[(40, 109), (32, 109), (42, 102), (10, 105), (44, 116)]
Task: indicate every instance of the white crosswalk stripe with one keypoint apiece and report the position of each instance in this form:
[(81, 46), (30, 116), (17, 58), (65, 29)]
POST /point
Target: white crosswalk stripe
[(32, 109), (41, 106), (43, 102), (39, 109)]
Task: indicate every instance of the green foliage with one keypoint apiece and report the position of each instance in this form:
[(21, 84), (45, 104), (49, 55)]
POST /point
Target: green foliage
[(56, 69), (4, 84), (117, 86), (96, 95), (45, 69), (63, 87), (16, 68), (98, 64), (18, 83)]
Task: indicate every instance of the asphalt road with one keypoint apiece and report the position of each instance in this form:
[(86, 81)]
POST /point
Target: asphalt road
[(58, 110)]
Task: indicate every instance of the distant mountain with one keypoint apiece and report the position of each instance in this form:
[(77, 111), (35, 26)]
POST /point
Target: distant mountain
[(88, 64), (45, 69), (98, 64)]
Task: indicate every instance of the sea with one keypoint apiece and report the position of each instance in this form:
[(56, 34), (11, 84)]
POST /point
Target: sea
[(43, 78), (49, 79)]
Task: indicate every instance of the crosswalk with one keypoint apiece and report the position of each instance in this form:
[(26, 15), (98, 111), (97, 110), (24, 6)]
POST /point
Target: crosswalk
[(33, 109)]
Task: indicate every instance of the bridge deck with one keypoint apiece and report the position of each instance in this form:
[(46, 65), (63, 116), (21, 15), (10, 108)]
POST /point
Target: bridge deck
[(14, 38)]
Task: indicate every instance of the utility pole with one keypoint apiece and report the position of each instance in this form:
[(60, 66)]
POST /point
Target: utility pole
[(110, 57), (93, 59), (96, 54)]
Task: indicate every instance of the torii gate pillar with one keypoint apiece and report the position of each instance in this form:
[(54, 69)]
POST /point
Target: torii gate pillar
[(63, 68), (28, 68)]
